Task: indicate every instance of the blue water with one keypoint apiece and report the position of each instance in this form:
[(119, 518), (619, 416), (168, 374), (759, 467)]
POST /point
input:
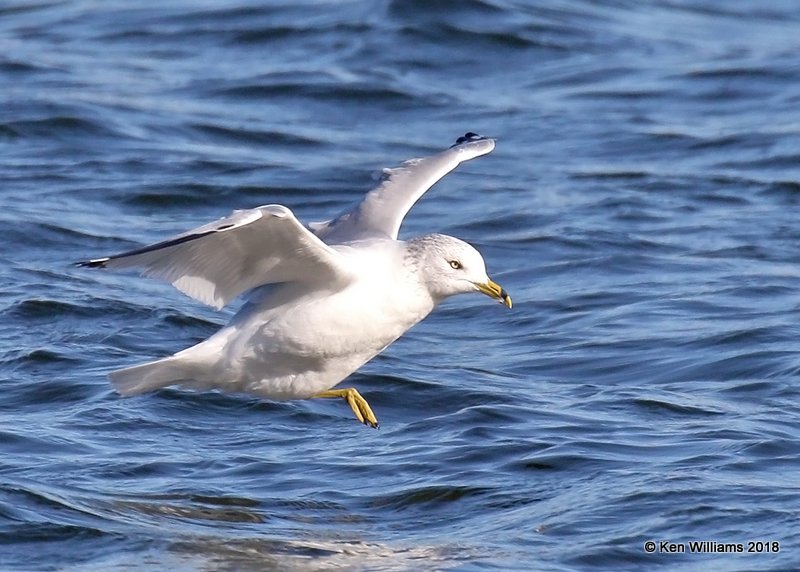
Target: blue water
[(641, 207)]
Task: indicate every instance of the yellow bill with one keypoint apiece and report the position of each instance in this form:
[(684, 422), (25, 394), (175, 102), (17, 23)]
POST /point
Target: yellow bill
[(494, 290)]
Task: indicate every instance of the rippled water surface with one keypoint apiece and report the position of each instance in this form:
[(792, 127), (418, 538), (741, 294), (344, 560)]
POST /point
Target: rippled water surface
[(641, 207)]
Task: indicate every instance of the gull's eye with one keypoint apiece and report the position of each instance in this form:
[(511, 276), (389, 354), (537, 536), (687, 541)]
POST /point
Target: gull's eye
[(455, 265)]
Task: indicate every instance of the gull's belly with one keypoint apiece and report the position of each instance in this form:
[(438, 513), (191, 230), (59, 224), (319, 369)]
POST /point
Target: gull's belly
[(306, 345)]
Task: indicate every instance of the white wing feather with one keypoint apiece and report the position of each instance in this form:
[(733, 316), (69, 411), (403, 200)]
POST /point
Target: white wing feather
[(216, 262), (383, 209)]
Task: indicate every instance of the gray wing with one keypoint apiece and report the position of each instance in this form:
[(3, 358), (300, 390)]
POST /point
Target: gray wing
[(383, 209), (216, 262)]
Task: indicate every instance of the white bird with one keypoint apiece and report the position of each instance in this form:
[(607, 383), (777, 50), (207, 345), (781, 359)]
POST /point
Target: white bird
[(321, 300)]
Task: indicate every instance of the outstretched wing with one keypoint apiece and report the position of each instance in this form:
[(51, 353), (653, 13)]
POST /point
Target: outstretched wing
[(216, 262), (383, 209)]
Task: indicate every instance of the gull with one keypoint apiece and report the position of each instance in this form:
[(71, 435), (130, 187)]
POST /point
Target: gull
[(319, 300)]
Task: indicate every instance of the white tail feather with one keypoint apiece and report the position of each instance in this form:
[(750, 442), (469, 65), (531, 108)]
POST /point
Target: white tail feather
[(150, 376)]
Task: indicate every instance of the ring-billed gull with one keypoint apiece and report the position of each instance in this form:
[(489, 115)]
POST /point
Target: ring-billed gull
[(321, 300)]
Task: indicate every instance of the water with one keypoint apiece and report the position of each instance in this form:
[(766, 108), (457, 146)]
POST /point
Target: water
[(641, 208)]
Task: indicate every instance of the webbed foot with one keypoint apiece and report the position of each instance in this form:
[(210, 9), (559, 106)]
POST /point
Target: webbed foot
[(357, 403)]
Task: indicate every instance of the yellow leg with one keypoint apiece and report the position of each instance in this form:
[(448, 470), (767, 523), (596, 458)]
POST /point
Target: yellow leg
[(357, 403)]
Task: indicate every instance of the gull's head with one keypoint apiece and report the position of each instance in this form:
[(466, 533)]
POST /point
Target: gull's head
[(450, 266)]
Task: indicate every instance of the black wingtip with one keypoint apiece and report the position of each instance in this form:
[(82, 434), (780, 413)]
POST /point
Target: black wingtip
[(468, 137), (97, 263)]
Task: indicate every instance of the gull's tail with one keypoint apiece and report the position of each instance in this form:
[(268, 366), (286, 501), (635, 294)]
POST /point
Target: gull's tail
[(152, 375)]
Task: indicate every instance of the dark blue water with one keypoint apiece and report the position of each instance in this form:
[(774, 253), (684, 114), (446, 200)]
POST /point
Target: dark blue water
[(641, 207)]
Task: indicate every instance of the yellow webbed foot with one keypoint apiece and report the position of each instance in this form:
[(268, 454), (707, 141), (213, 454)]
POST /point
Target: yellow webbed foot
[(357, 403)]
